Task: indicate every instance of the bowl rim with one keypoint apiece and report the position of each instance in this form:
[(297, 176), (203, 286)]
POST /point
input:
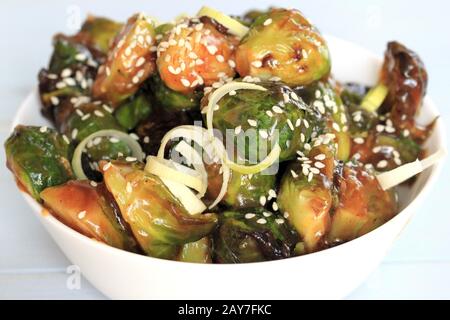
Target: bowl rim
[(39, 210)]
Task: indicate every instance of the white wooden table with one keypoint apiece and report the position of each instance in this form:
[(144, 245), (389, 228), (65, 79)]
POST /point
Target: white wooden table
[(31, 265)]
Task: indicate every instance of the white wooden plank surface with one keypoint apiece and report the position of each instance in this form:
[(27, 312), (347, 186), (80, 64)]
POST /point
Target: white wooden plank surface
[(31, 265)]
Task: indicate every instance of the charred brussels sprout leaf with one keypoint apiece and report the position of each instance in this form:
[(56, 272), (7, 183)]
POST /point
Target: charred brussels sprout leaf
[(172, 99), (363, 205), (288, 47), (264, 116), (157, 219), (196, 252), (244, 191), (130, 62), (89, 210), (131, 113), (243, 240), (98, 32), (90, 118), (38, 158)]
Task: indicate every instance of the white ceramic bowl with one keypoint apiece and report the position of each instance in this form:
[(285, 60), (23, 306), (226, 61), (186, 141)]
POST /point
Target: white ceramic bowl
[(329, 274)]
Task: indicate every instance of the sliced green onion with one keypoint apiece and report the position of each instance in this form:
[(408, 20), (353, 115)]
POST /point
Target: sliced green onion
[(132, 143), (375, 98)]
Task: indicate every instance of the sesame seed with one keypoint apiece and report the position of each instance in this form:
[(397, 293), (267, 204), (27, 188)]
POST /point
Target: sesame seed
[(376, 149), (185, 82), (261, 221), (43, 129), (314, 170), (302, 138), (79, 112), (135, 80), (74, 133), (99, 114), (382, 164), (212, 49), (81, 215), (277, 109), (80, 57), (406, 133), (272, 194), (66, 73), (107, 108), (263, 134), (93, 184), (320, 157), (358, 140), (54, 100), (267, 22), (66, 140), (114, 140), (306, 123), (257, 64), (294, 174), (291, 126), (286, 215), (107, 166), (130, 159), (108, 71), (252, 122), (269, 113), (319, 165), (275, 206), (336, 127), (140, 62), (52, 76), (60, 85), (250, 216), (279, 221), (298, 122), (85, 117), (146, 139), (232, 64), (220, 58), (390, 129), (380, 128), (267, 214), (262, 200)]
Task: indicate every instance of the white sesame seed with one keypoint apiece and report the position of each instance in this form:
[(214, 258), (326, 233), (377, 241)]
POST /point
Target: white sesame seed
[(220, 58), (140, 62), (319, 165), (130, 159), (263, 134), (406, 133), (93, 184), (294, 174), (298, 122), (257, 64), (99, 114), (262, 200), (279, 221), (286, 215), (358, 140), (85, 117), (114, 140), (60, 85), (380, 128), (269, 113), (129, 187), (275, 206), (108, 71), (81, 215), (79, 112), (212, 49), (250, 216), (66, 73), (267, 22), (376, 149), (261, 221), (382, 164), (74, 133), (135, 80), (252, 122), (107, 166), (185, 82), (52, 76), (267, 214), (306, 123), (390, 129), (43, 129), (272, 194), (314, 170), (277, 109), (336, 127), (80, 57), (54, 100), (232, 64)]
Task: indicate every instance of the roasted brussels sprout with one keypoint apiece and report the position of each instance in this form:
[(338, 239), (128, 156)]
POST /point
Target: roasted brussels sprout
[(38, 158), (130, 62), (195, 53), (157, 219), (283, 43), (324, 100), (275, 113), (252, 236), (89, 210), (405, 75), (132, 112), (196, 252), (99, 33), (89, 118), (305, 196), (362, 207), (245, 191), (171, 99)]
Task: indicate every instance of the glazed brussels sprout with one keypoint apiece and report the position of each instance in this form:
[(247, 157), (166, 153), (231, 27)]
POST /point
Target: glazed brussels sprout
[(252, 236), (245, 191), (195, 53), (89, 210), (362, 207), (275, 113), (157, 219), (305, 196), (132, 112), (89, 118), (327, 104), (99, 33), (283, 43), (405, 75), (171, 99), (38, 158), (130, 62), (197, 252)]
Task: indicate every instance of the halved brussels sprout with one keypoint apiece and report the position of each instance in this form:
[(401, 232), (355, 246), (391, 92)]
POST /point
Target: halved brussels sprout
[(197, 252), (132, 112), (157, 219), (252, 236), (99, 33), (363, 206), (195, 53), (283, 43), (130, 62), (38, 158), (305, 197), (171, 99), (89, 210), (259, 117), (245, 191)]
